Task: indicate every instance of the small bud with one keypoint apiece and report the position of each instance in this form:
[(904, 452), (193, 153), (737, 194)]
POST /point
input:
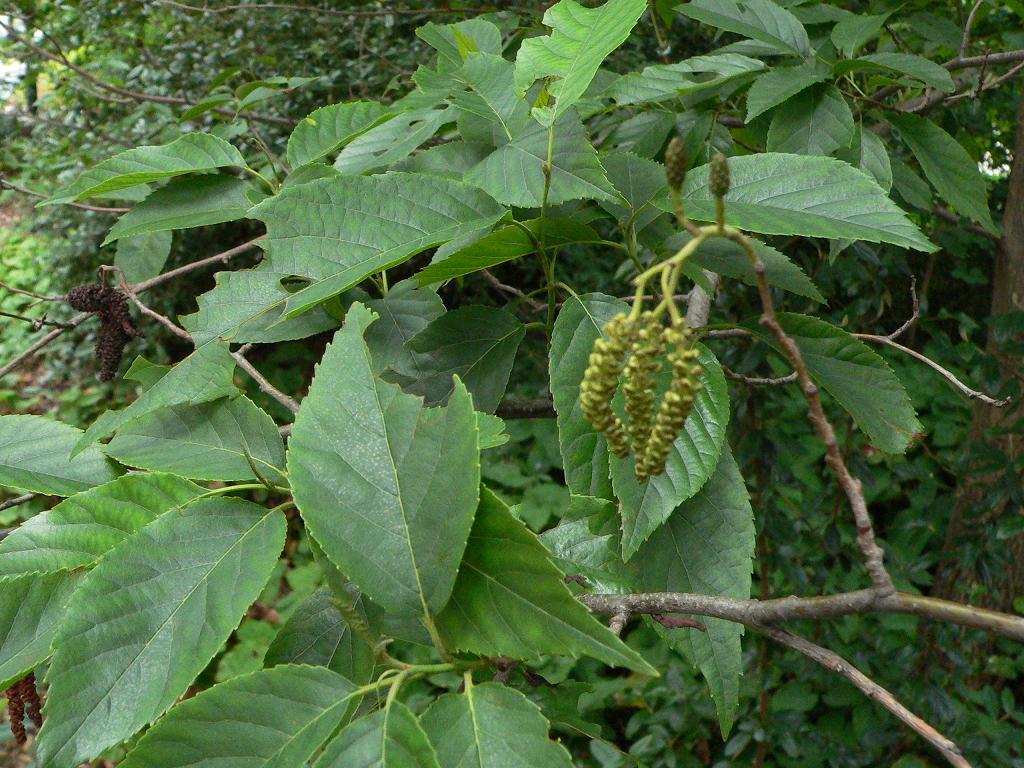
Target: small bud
[(675, 163), (718, 177)]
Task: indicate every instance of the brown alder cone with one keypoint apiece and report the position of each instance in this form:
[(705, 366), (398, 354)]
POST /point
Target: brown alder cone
[(16, 712), (116, 326), (30, 695)]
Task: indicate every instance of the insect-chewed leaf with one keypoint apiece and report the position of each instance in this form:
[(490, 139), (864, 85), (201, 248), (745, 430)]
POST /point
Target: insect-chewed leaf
[(386, 486), (473, 729), (273, 718), (149, 618), (81, 529), (510, 599)]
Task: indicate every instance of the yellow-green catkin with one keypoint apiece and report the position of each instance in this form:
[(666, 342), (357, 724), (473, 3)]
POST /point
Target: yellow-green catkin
[(601, 380), (718, 176), (639, 387), (675, 164), (676, 405)]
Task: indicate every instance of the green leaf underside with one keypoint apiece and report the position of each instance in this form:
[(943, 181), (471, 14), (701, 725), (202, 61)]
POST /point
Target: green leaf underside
[(778, 86), (401, 314), (391, 141), (949, 168), (338, 231), (477, 344), (580, 40), (141, 257), (504, 245), (514, 173), (761, 20), (149, 618), (247, 306), (316, 633), (184, 204), (817, 121), (917, 67), (694, 456), (328, 129), (81, 529), (31, 608), (34, 456), (387, 738), (659, 82), (859, 379), (510, 600), (707, 547), (273, 718), (192, 152), (386, 486), (491, 726), (783, 194), (210, 441), (207, 374), (584, 452)]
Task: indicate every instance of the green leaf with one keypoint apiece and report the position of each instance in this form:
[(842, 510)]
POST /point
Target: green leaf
[(454, 42), (729, 259), (247, 306), (184, 204), (782, 194), (667, 81), (149, 618), (694, 456), (490, 93), (209, 441), (919, 68), (869, 153), (316, 633), (860, 381), (503, 245), (514, 173), (143, 256), (192, 152), (758, 19), (910, 186), (338, 231), (401, 314), (386, 486), (491, 726), (31, 608), (706, 547), (80, 530), (328, 129), (580, 40), (817, 121), (640, 182), (452, 160), (584, 452), (206, 374), (387, 738), (852, 32), (474, 343), (510, 600), (578, 551), (273, 718), (949, 168), (390, 141), (35, 456), (492, 430), (775, 87)]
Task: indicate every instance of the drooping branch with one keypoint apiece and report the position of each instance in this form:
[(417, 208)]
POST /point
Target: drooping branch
[(5, 184), (265, 386), (836, 663)]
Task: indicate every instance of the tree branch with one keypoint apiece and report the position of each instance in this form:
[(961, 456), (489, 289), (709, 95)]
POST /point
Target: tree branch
[(16, 501), (753, 612), (322, 11), (265, 386), (541, 408), (836, 663), (5, 184)]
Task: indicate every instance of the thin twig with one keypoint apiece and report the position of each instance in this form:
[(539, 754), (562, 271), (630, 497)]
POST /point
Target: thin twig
[(30, 294), (618, 622), (914, 315), (757, 381), (35, 322), (971, 393), (265, 386), (16, 501), (320, 11), (836, 663), (165, 321), (511, 290), (966, 40), (541, 408), (5, 184)]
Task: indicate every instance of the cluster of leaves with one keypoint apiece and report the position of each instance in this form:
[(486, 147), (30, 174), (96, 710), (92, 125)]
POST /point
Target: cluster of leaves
[(127, 589)]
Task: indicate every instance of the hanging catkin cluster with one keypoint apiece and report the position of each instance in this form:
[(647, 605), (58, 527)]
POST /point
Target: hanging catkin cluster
[(633, 345), (22, 699), (116, 326)]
